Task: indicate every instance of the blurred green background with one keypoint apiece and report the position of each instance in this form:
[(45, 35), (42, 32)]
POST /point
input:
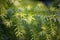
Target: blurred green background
[(29, 19)]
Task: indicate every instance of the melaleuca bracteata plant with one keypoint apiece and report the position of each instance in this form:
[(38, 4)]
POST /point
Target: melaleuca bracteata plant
[(28, 20)]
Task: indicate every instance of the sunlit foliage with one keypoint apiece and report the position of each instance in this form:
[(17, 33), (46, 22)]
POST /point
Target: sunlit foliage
[(28, 20)]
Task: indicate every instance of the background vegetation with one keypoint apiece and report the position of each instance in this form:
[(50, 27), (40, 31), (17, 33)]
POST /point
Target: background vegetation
[(29, 20)]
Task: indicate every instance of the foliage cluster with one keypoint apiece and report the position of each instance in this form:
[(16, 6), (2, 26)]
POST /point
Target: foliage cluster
[(27, 20)]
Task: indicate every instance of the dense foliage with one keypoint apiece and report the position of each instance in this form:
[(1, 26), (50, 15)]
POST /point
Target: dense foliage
[(29, 20)]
